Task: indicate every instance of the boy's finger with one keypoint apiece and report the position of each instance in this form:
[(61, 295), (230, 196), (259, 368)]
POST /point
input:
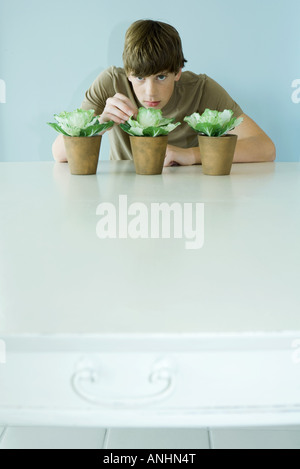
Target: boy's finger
[(126, 105)]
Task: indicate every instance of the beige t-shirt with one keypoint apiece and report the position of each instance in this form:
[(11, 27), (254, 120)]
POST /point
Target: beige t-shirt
[(192, 93)]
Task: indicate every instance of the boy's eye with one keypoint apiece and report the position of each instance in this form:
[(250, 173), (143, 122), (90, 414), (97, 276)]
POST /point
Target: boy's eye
[(161, 77), (139, 78)]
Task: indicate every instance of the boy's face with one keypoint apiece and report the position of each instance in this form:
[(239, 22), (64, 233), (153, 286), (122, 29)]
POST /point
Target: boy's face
[(154, 91)]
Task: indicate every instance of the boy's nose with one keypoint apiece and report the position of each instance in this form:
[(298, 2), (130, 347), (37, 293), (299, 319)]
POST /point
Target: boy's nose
[(150, 89)]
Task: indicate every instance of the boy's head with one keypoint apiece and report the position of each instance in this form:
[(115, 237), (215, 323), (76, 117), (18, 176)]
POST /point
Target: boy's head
[(152, 47), (153, 60)]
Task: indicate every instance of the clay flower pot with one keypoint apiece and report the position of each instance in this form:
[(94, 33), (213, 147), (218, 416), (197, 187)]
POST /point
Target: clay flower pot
[(149, 154), (83, 154), (217, 154)]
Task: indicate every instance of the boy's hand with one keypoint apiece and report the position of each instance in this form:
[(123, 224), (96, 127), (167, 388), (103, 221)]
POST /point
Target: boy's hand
[(118, 109)]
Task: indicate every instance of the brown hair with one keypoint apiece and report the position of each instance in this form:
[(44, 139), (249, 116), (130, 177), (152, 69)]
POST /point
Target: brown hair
[(152, 47)]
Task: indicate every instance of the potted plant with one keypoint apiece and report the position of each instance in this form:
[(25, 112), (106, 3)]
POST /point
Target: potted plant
[(80, 131), (216, 146), (149, 139)]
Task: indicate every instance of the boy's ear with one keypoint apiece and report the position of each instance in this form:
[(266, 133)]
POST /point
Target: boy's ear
[(178, 75)]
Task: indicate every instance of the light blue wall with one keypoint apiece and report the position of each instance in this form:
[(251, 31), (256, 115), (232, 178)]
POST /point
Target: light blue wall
[(51, 51)]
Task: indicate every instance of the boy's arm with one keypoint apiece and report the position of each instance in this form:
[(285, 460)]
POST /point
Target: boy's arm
[(182, 156), (253, 145)]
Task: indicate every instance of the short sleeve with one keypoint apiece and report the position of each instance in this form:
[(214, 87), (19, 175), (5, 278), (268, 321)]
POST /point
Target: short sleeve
[(101, 89), (216, 98)]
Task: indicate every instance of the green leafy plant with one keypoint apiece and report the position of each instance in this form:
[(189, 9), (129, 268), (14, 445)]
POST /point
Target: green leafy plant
[(149, 123), (79, 123), (213, 123)]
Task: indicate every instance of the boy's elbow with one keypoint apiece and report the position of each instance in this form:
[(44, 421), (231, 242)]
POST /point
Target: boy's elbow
[(59, 158), (58, 150), (271, 151), (266, 149)]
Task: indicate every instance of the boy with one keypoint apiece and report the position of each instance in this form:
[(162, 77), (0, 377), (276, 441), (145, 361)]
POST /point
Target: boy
[(152, 77)]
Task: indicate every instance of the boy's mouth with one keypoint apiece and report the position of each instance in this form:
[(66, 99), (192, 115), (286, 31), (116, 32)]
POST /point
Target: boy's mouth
[(152, 103)]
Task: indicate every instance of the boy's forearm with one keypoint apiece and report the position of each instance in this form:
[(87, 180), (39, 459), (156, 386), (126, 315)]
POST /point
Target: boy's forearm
[(195, 154), (254, 150), (182, 156)]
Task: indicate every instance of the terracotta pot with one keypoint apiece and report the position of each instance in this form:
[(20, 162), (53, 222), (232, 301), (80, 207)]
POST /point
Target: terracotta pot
[(149, 154), (217, 154), (83, 154)]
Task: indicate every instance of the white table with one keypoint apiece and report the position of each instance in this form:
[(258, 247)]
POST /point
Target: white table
[(143, 332)]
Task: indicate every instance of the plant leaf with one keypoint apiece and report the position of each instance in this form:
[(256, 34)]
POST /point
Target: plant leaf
[(79, 123), (95, 129), (149, 123), (57, 128), (134, 131), (213, 123), (155, 131)]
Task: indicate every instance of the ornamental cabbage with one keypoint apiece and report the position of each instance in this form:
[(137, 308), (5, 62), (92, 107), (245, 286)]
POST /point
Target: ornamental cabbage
[(213, 123), (149, 123), (79, 123)]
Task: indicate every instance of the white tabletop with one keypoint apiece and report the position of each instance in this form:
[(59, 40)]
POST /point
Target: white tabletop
[(58, 277)]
